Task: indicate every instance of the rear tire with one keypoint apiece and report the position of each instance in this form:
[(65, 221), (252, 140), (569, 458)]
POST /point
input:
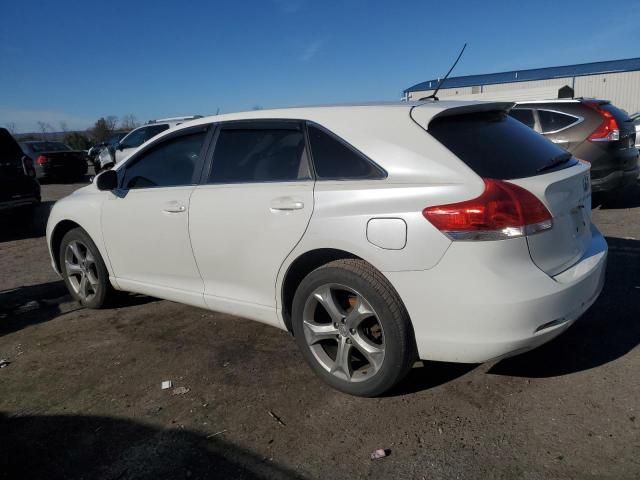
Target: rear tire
[(84, 271), (352, 328)]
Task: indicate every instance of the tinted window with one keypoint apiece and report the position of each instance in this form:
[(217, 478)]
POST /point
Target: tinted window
[(259, 155), (48, 146), (524, 115), (135, 138), (553, 121), (335, 160), (155, 130), (495, 145), (10, 152), (167, 164)]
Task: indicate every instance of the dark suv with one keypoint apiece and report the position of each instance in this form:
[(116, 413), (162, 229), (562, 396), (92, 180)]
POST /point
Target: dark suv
[(592, 130), (18, 184)]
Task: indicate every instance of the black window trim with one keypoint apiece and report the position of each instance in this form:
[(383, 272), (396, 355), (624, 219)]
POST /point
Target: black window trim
[(383, 173), (256, 124), (208, 128)]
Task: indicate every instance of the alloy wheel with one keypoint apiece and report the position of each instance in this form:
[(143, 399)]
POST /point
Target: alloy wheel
[(343, 332), (81, 270)]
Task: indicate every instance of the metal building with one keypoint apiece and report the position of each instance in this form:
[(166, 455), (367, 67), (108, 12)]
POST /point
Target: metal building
[(615, 80)]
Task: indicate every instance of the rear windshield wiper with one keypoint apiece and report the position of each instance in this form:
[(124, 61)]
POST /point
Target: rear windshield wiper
[(555, 161)]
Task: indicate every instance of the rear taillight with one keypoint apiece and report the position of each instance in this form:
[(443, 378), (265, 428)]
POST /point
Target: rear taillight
[(42, 160), (608, 130), (504, 210)]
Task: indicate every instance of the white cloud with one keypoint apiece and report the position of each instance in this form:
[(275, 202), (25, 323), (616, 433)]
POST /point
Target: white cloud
[(312, 49), (27, 120)]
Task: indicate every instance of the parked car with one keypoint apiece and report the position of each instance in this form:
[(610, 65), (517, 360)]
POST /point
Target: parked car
[(635, 118), (138, 136), (18, 184), (112, 141), (593, 130), (55, 160), (376, 234)]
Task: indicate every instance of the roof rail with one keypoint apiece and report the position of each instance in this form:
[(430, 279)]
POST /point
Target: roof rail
[(175, 119)]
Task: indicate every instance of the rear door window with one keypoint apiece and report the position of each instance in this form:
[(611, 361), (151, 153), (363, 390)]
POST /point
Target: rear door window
[(334, 160), (551, 121), (524, 115), (494, 145), (257, 153)]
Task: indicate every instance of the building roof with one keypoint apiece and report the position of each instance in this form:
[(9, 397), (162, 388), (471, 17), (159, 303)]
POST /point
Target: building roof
[(581, 69)]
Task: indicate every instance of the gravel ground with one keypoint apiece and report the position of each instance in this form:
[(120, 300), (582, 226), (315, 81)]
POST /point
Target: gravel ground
[(81, 396)]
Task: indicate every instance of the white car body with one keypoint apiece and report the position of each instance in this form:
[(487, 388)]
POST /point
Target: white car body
[(230, 247)]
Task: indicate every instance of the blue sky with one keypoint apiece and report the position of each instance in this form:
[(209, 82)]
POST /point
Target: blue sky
[(74, 61)]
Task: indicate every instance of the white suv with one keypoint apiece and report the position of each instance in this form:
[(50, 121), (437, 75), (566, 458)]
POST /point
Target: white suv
[(140, 135), (376, 234)]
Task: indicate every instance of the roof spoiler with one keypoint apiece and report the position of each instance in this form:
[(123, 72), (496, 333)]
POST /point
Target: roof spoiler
[(424, 116)]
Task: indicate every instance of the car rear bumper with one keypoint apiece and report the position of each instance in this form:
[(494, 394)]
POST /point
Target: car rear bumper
[(484, 302), (615, 180), (613, 169)]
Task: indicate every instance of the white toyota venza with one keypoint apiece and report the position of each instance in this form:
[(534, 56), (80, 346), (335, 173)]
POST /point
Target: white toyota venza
[(376, 234)]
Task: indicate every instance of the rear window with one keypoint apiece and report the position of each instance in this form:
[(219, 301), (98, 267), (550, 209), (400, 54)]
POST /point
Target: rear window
[(48, 147), (524, 115), (494, 145)]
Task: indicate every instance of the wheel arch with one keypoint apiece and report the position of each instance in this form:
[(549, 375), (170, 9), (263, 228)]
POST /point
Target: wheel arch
[(58, 233)]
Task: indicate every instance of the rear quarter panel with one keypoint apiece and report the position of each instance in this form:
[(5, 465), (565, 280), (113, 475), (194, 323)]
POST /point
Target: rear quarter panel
[(421, 173)]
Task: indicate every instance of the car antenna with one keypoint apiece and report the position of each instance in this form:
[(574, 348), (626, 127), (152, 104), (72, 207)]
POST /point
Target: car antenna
[(433, 95)]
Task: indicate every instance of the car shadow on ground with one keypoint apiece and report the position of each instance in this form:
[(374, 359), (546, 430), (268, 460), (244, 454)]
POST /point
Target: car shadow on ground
[(34, 304), (29, 305), (430, 375), (74, 446), (608, 331), (25, 223)]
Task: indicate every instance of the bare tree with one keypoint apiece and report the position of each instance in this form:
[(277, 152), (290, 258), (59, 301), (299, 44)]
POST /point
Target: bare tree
[(129, 122), (64, 127), (11, 127), (112, 122), (44, 127)]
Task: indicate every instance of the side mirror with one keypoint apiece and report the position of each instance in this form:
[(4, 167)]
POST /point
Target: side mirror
[(107, 180), (120, 147)]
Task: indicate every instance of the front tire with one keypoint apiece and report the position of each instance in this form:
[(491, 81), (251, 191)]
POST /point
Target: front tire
[(352, 328), (84, 271)]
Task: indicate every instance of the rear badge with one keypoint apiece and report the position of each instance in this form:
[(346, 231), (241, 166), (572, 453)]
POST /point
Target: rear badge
[(585, 183)]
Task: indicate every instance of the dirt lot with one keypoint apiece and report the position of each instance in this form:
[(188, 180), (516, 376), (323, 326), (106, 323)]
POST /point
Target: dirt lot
[(81, 397)]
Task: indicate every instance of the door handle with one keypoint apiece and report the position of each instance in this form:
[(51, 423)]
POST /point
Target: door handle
[(286, 204), (174, 207)]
